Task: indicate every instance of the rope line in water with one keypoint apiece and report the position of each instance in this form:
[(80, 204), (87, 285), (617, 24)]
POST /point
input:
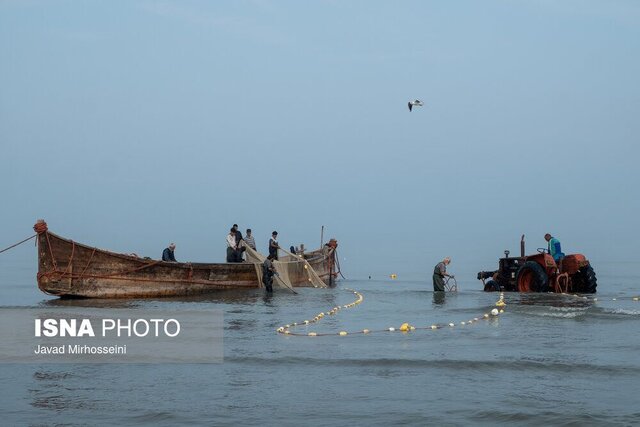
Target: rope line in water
[(405, 327), (286, 330)]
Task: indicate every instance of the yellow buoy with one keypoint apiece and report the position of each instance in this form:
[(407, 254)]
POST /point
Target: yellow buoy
[(434, 327), (312, 334), (500, 304), (343, 333), (393, 276), (404, 327)]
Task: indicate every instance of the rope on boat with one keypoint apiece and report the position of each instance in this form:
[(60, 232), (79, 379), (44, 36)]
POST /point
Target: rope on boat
[(405, 327), (41, 227), (338, 264), (18, 244)]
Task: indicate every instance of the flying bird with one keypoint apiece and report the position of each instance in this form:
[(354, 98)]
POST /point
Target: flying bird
[(413, 103)]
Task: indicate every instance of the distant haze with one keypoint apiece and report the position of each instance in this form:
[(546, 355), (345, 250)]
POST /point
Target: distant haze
[(129, 125)]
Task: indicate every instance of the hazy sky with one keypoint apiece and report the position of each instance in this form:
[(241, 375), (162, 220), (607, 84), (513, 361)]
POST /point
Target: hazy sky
[(130, 124)]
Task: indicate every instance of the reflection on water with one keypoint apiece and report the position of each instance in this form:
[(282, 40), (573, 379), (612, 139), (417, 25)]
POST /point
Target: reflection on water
[(97, 303), (230, 297), (439, 298), (553, 300)]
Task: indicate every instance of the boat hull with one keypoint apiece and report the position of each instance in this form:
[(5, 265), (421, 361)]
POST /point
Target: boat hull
[(70, 269)]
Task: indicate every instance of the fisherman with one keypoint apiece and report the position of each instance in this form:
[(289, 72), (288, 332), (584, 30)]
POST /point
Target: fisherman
[(273, 245), (439, 273), (554, 247), (239, 244), (268, 270), (249, 240), (238, 234), (232, 246), (168, 255)]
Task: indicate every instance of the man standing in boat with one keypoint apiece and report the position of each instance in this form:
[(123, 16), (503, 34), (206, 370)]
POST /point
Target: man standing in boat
[(232, 246), (168, 255), (249, 240), (273, 245), (439, 273), (239, 246)]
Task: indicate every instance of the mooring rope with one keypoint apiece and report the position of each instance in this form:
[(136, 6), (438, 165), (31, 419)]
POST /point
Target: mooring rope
[(18, 244)]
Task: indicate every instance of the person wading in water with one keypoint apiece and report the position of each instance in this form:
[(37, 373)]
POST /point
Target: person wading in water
[(268, 270), (439, 273)]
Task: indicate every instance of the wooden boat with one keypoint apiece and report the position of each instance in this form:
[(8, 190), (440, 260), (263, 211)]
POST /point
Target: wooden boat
[(70, 269)]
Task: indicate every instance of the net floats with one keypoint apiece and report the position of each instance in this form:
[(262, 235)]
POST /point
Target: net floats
[(404, 327)]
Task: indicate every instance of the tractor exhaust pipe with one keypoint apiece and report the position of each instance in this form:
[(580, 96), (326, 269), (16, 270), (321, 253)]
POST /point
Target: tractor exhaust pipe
[(522, 246)]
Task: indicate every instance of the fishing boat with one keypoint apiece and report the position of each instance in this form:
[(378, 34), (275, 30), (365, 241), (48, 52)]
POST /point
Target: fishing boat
[(70, 269)]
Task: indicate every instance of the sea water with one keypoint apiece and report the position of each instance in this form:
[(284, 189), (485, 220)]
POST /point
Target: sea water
[(547, 360)]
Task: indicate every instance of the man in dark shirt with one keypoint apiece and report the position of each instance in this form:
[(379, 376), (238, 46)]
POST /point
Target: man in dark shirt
[(240, 247), (168, 255), (268, 270), (238, 234)]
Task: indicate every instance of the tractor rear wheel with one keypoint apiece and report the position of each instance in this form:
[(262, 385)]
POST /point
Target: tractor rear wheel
[(585, 281), (531, 277)]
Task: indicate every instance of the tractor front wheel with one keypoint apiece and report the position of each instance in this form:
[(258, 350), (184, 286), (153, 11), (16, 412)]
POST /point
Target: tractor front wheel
[(585, 280), (491, 286), (531, 277)]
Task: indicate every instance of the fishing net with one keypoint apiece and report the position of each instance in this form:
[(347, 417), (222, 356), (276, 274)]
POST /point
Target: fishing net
[(282, 278)]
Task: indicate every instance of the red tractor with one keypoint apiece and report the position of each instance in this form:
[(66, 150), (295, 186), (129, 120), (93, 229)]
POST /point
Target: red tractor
[(540, 273)]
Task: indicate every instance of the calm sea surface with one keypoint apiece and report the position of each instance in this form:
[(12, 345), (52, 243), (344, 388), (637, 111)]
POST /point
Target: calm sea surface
[(548, 360)]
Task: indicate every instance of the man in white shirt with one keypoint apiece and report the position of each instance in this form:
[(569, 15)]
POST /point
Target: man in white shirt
[(273, 245), (232, 246)]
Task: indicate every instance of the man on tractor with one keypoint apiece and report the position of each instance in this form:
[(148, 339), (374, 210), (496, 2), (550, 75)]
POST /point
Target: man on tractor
[(554, 247)]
